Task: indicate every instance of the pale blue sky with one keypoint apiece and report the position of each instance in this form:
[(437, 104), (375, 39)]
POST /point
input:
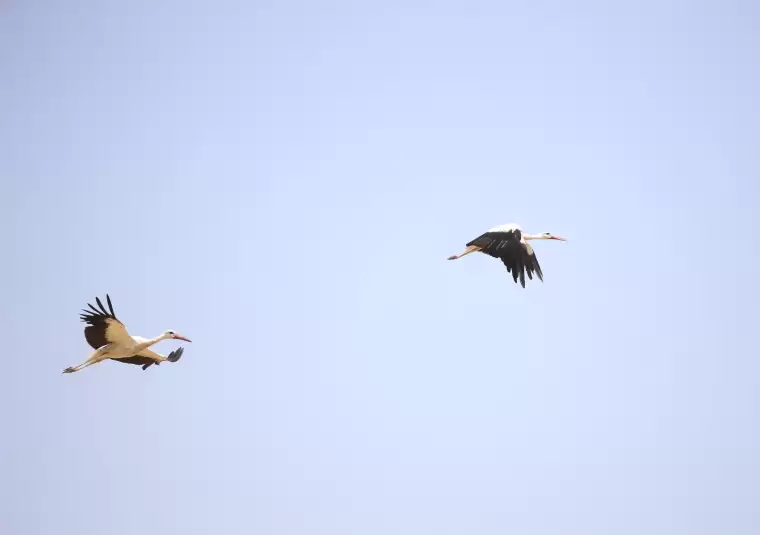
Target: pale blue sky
[(282, 182)]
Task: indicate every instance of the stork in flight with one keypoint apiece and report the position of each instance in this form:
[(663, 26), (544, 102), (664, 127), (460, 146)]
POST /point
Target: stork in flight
[(510, 244), (109, 338)]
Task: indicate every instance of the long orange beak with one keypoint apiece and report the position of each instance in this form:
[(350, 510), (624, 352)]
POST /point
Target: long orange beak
[(558, 238), (180, 337)]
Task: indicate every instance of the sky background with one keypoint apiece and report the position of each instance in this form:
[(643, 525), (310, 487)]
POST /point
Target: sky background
[(282, 181)]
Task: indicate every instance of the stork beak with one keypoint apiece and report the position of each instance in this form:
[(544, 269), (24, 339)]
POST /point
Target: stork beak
[(180, 337), (558, 238)]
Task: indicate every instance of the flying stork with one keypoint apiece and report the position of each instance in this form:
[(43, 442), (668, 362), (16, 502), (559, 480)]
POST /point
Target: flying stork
[(109, 338), (510, 244)]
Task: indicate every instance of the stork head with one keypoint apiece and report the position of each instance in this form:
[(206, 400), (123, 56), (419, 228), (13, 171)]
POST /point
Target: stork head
[(175, 336), (550, 236)]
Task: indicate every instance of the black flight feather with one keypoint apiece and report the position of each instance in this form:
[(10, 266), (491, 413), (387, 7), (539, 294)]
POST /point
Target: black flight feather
[(508, 247), (95, 333)]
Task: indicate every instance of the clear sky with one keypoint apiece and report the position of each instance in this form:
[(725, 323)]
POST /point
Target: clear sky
[(282, 182)]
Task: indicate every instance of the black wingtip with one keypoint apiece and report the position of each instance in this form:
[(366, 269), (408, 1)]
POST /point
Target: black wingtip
[(102, 308), (94, 312), (175, 355)]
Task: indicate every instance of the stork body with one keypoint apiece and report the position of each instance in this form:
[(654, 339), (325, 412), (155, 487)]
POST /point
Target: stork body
[(510, 244), (108, 336)]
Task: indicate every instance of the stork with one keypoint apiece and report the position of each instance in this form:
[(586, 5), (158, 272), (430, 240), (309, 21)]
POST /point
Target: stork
[(510, 244), (109, 338)]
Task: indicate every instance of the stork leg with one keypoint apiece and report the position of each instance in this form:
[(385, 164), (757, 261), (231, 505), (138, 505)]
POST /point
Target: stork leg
[(94, 359), (470, 249)]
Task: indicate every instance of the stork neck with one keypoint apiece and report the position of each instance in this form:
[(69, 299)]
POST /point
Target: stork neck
[(147, 343), (532, 237)]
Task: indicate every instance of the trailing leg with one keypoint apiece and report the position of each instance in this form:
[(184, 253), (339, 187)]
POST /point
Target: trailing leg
[(470, 249)]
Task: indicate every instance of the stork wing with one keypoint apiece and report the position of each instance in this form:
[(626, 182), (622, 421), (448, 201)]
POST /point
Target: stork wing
[(174, 356), (146, 358), (139, 361), (509, 247), (493, 242), (531, 263), (103, 326)]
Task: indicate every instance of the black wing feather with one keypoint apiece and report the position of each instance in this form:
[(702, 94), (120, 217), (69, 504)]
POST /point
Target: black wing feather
[(95, 333), (137, 360), (100, 304), (533, 266), (175, 355), (507, 247)]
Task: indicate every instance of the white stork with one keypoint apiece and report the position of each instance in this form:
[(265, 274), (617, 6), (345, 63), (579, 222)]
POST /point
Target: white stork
[(509, 244), (110, 339)]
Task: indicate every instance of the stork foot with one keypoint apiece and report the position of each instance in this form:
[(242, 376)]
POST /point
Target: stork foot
[(70, 369)]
